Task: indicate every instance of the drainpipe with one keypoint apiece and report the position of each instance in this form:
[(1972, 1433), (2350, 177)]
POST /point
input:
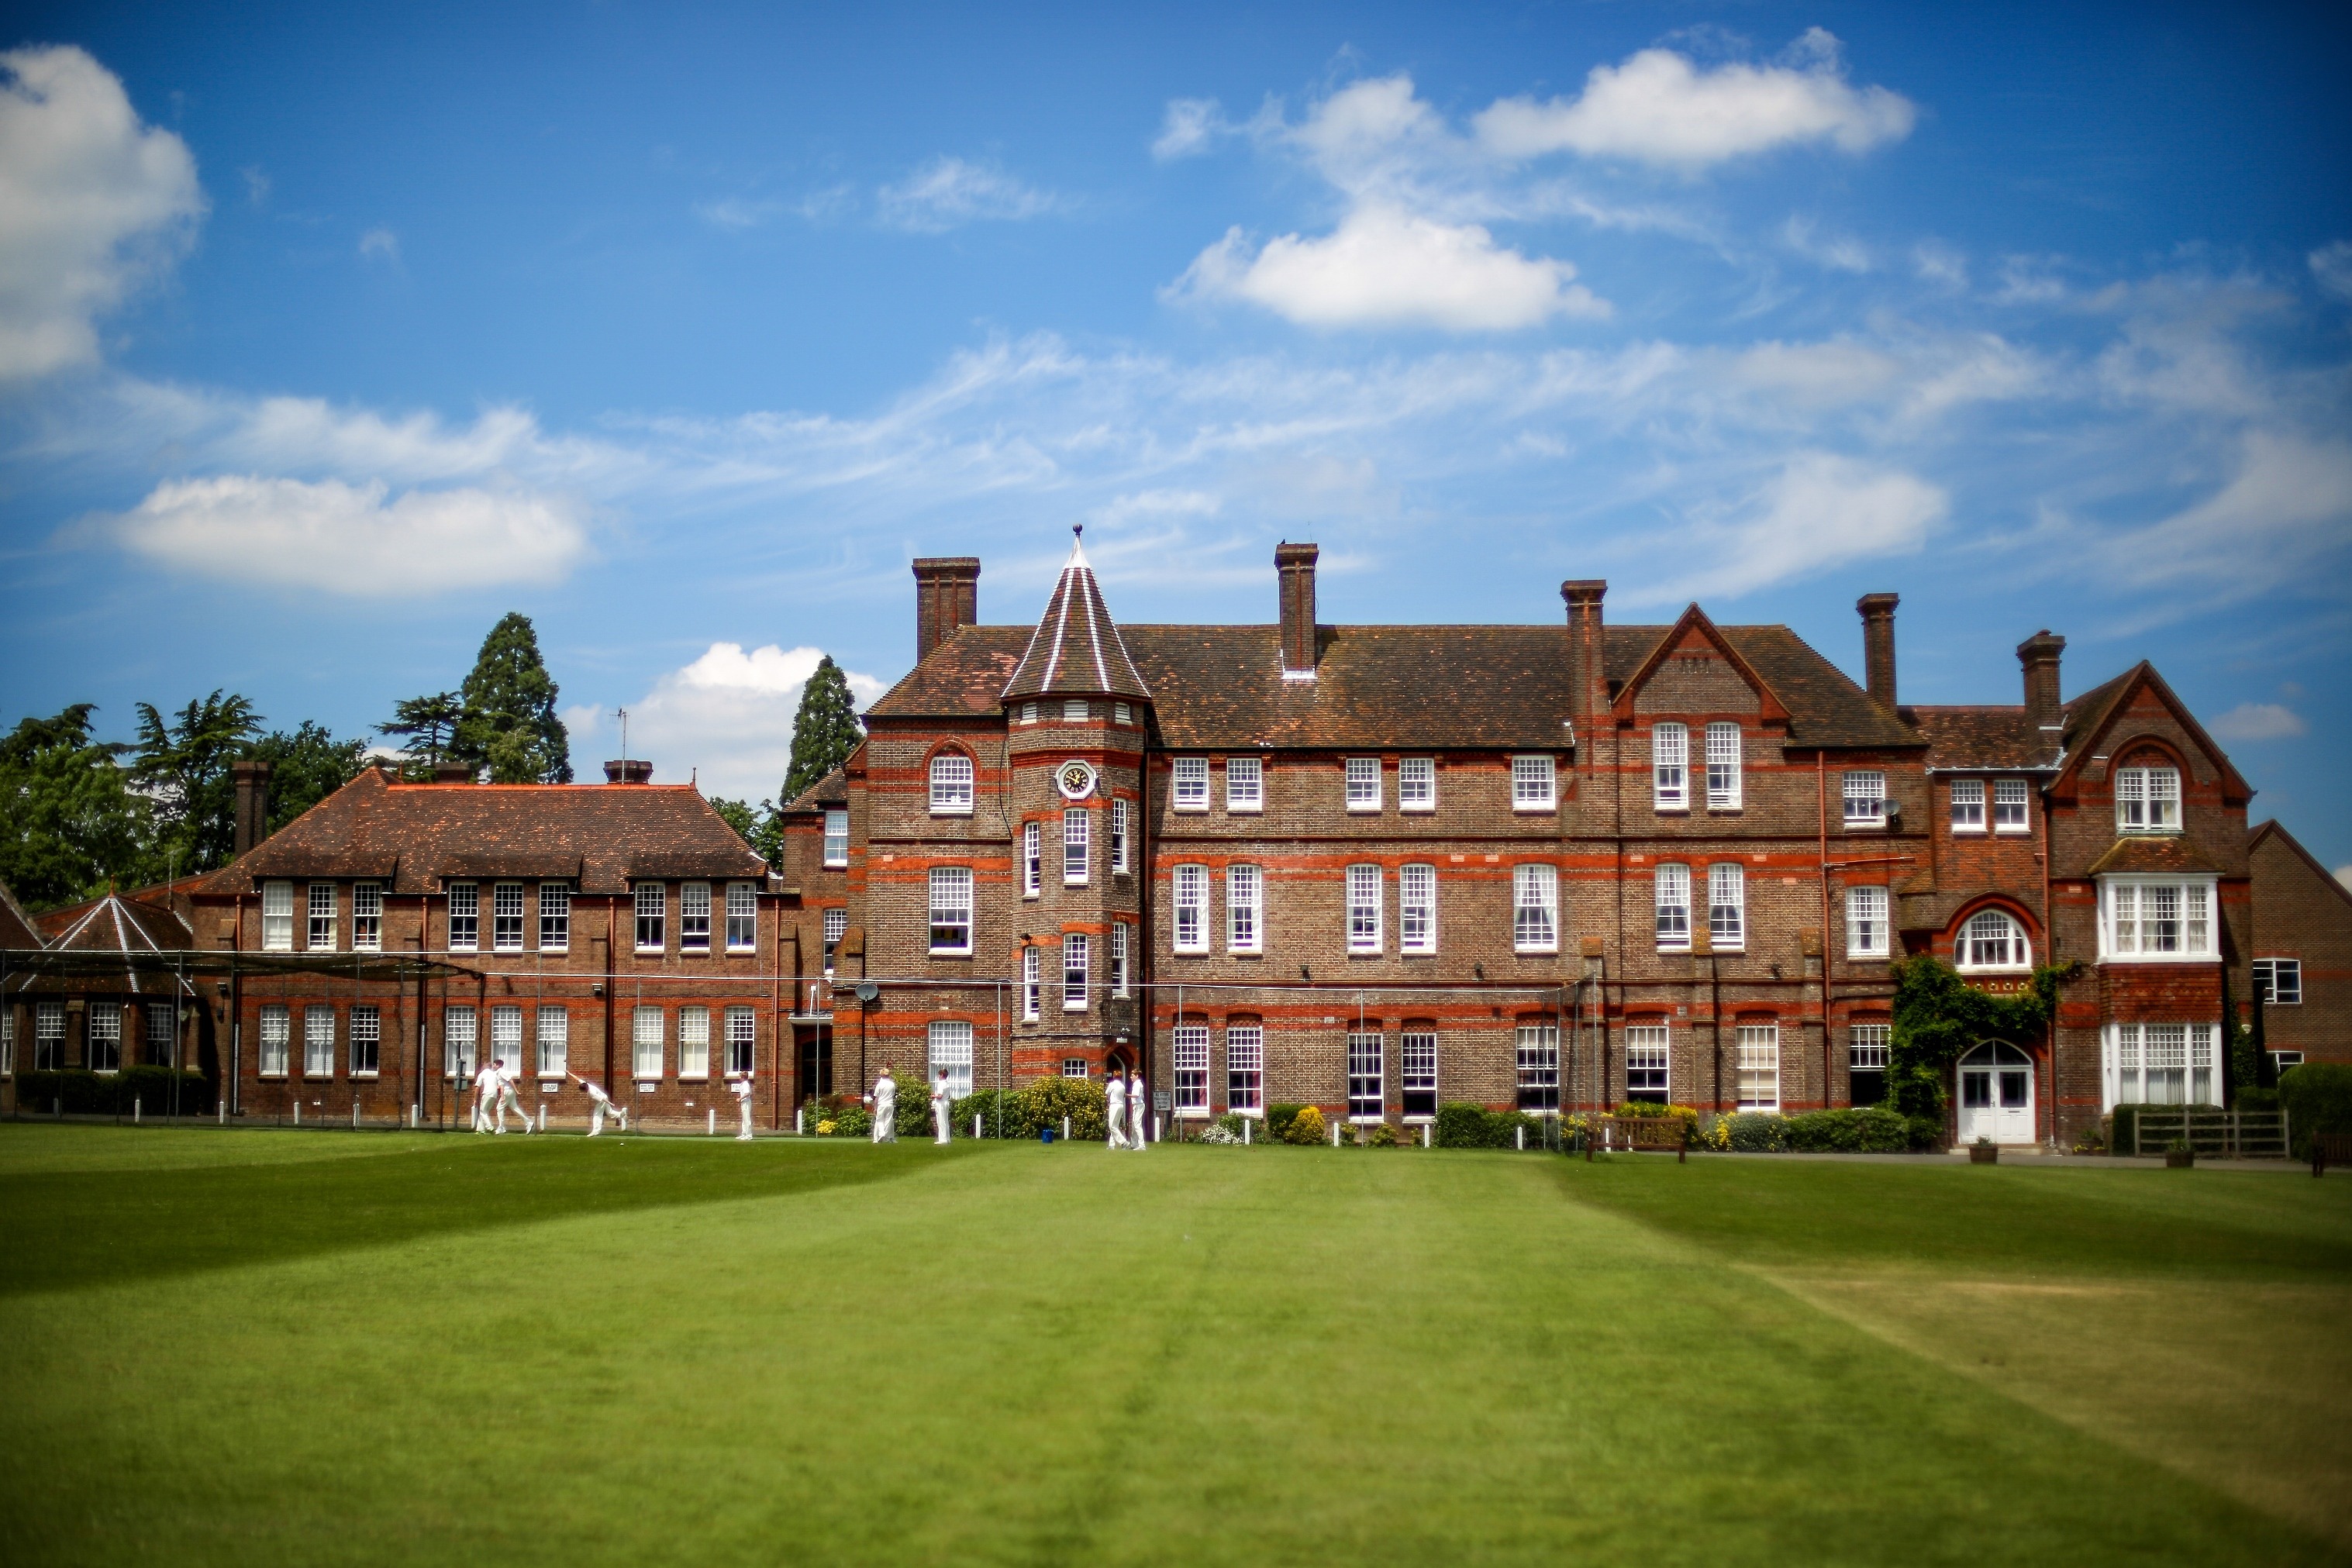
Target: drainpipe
[(1822, 809)]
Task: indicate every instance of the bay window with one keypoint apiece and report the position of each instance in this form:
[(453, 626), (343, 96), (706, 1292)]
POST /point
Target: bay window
[(2144, 917), (2161, 1064)]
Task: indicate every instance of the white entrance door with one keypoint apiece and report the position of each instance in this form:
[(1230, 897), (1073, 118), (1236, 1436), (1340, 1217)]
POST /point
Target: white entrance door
[(1997, 1094)]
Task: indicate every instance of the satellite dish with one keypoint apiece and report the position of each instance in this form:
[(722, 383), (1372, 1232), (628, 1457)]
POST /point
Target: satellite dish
[(868, 991)]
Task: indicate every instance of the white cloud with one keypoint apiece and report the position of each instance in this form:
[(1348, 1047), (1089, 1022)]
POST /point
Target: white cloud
[(2287, 512), (348, 539), (1658, 107), (1189, 126), (726, 719), (92, 204), (1934, 262), (1387, 267), (949, 192), (381, 244), (257, 184), (2259, 721), (1820, 374), (2332, 266), (1820, 511), (738, 212), (1841, 253)]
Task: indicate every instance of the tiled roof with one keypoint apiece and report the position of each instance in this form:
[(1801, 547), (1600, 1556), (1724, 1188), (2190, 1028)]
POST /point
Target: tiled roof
[(2154, 852), (1077, 648), (414, 835), (1987, 738), (16, 927), (1469, 686), (831, 789), (116, 924)]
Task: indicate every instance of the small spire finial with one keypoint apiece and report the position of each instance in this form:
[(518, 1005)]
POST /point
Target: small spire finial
[(1078, 531)]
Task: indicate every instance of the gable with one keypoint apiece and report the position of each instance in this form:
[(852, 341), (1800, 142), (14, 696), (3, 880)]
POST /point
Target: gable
[(2144, 707), (1693, 668)]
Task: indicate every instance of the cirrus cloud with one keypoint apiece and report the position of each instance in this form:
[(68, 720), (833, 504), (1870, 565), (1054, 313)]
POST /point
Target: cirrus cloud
[(1820, 511)]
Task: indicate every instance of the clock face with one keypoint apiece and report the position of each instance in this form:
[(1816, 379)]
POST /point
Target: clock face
[(1076, 779)]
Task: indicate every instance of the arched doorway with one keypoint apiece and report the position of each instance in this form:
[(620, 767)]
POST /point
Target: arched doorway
[(1997, 1094)]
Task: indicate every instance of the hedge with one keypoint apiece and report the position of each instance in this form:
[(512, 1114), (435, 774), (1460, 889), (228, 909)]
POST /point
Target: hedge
[(2317, 1098), (87, 1093), (1865, 1130), (1466, 1126)]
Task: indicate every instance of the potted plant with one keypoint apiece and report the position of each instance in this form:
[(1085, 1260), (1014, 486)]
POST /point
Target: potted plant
[(1984, 1152), (2178, 1155)]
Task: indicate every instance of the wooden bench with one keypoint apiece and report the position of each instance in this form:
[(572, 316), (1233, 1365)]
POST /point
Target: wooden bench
[(2330, 1149), (1635, 1134)]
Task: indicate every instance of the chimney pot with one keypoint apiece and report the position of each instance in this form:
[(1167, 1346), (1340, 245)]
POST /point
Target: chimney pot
[(1877, 612), (947, 595), (631, 770), (2038, 655), (250, 780), (1294, 566)]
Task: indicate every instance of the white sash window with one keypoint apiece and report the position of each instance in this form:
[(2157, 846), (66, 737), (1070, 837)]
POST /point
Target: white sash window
[(2161, 1064), (1670, 767), (1534, 909)]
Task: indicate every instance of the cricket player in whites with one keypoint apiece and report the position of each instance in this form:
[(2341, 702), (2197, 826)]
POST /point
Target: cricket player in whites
[(739, 1086), (598, 1103), (1115, 1103), (486, 1093), (507, 1078), (884, 1100), (942, 1106), (1139, 1108)]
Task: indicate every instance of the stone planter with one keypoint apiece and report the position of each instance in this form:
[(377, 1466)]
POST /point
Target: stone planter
[(1984, 1153), (2179, 1159)]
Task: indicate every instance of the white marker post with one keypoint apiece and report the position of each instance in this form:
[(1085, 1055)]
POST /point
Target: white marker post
[(710, 1123)]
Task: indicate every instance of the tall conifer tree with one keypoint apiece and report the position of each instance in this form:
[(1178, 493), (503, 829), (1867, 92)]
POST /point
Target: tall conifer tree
[(509, 724), (825, 731)]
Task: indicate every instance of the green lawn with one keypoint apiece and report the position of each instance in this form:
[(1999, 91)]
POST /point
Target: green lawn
[(278, 1347)]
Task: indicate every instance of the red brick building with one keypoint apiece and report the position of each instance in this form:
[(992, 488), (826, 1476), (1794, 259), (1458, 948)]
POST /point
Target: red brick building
[(2302, 981)]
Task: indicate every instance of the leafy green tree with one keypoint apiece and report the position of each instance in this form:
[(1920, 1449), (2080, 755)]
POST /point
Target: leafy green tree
[(509, 724), (305, 766), (183, 767), (825, 731), (758, 826), (429, 726), (70, 822)]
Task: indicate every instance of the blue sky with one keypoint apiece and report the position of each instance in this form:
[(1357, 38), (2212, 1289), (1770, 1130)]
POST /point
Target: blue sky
[(325, 338)]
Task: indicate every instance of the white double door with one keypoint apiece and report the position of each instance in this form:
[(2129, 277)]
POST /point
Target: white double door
[(1997, 1094)]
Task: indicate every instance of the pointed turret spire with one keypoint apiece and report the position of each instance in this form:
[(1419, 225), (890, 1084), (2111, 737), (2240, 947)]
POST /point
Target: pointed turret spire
[(1077, 649)]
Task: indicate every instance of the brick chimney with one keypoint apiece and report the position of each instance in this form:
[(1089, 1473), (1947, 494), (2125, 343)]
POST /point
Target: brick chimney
[(633, 770), (947, 595), (456, 773), (2038, 654), (251, 780), (1294, 565), (1588, 667), (1877, 612)]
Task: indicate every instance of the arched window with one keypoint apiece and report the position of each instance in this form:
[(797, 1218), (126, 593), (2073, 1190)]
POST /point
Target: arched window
[(950, 785), (1992, 940)]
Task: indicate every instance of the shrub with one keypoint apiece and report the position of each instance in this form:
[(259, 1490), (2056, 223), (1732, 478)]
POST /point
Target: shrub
[(2126, 1119), (1465, 1126), (914, 1114), (1926, 1132), (1279, 1118), (1756, 1132), (1864, 1130), (857, 1121), (1383, 1136), (1307, 1128), (2263, 1100), (2317, 1098), (1045, 1101)]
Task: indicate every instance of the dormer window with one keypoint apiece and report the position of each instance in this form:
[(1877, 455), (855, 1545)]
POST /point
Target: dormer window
[(2148, 799), (950, 785)]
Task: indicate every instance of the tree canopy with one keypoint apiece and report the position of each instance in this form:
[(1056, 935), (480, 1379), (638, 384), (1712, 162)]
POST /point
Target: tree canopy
[(70, 822), (509, 724), (307, 766), (429, 726), (825, 731), (182, 767)]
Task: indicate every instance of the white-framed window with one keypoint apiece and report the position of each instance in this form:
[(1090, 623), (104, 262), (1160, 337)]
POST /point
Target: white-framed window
[(50, 1036), (1244, 784), (1537, 1049), (951, 909), (1417, 1074), (1244, 909), (2160, 1064), (160, 1049), (1417, 909), (742, 917), (1727, 907), (1968, 805), (743, 1040), (1075, 710), (278, 918), (694, 917), (318, 1041), (322, 935), (276, 1028), (1865, 798), (1190, 1042), (1191, 784), (1534, 909), (836, 927), (2282, 1060), (7, 1040), (1120, 933), (652, 903), (2155, 917), (458, 1038), (367, 917), (1534, 783), (1865, 923), (1077, 855), (1759, 1067), (950, 1052), (554, 1041), (554, 917), (1367, 1080), (1417, 784), (506, 1036), (950, 785), (2010, 806), (1032, 963), (1028, 713), (1647, 1063), (1076, 950), (464, 917), (2148, 799), (1363, 783), (1725, 786), (1363, 909), (647, 1045), (1075, 1067), (837, 837), (1245, 1068), (367, 1039), (1119, 858), (1866, 1046), (1669, 767), (103, 1038), (1121, 714), (1991, 940), (1670, 885), (506, 917), (1192, 890), (1032, 858), (2279, 981), (694, 1042)]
